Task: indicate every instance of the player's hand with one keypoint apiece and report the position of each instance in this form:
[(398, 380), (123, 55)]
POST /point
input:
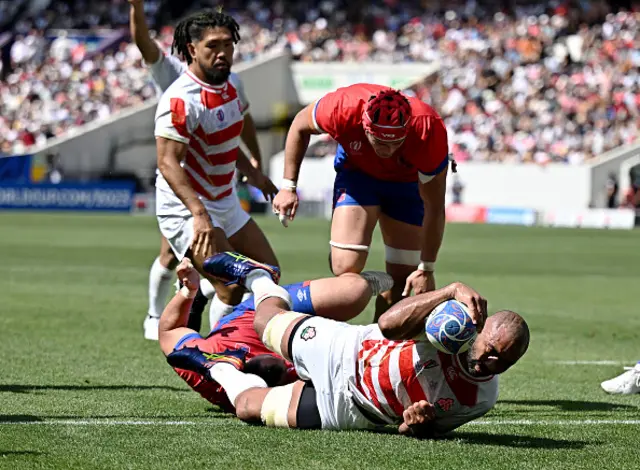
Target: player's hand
[(476, 304), (264, 184), (420, 282), (285, 204), (136, 3), (203, 244), (416, 416), (188, 274)]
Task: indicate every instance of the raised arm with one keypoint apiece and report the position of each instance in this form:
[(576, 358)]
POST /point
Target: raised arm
[(140, 32)]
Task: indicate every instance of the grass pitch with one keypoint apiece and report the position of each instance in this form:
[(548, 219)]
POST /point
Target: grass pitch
[(80, 388)]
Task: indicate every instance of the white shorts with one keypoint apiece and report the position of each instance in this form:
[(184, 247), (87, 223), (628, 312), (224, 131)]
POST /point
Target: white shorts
[(226, 214), (325, 352)]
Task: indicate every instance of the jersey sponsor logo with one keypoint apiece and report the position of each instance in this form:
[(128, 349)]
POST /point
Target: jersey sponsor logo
[(445, 404), (220, 115), (356, 145), (343, 195), (302, 295), (308, 333)]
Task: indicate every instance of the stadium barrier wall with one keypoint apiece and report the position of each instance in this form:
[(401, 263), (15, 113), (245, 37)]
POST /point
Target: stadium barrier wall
[(618, 162), (314, 80)]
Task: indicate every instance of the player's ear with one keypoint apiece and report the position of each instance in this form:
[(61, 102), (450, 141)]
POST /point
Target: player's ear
[(192, 49)]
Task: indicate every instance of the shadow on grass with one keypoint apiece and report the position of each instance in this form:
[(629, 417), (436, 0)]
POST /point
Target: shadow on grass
[(518, 441), (18, 388), (56, 418), (571, 405)]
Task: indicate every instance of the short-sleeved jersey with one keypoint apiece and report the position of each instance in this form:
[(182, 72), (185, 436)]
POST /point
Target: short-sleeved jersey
[(423, 154), (392, 375), (168, 68), (209, 120)]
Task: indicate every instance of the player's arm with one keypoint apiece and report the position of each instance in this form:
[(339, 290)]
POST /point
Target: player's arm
[(418, 420), (255, 177), (140, 33), (433, 195), (250, 138), (174, 319), (297, 143), (406, 319)]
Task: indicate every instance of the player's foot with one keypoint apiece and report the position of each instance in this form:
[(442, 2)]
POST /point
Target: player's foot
[(150, 327), (233, 268), (197, 361), (378, 281), (624, 384)]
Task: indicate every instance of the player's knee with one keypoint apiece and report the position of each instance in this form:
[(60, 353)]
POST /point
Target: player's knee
[(168, 259), (246, 408), (347, 258), (356, 289), (275, 407)]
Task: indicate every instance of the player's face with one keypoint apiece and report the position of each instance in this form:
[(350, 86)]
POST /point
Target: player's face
[(384, 149), (272, 369), (213, 53), (492, 353)]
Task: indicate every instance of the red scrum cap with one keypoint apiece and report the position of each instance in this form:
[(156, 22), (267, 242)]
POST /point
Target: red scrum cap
[(386, 115)]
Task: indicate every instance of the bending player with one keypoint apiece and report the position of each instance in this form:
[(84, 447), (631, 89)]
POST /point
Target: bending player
[(165, 69), (391, 167), (199, 121), (234, 338), (360, 377)]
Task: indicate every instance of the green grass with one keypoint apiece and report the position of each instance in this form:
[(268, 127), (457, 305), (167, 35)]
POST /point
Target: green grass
[(73, 293)]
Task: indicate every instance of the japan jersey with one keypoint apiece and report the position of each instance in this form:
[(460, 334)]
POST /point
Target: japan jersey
[(392, 375), (209, 120), (423, 154)]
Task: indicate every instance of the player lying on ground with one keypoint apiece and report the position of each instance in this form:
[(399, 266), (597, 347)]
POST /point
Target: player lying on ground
[(391, 168), (235, 336), (360, 377), (164, 70), (199, 121)]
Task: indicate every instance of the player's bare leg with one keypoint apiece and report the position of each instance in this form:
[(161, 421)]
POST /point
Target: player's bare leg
[(351, 232), (402, 255)]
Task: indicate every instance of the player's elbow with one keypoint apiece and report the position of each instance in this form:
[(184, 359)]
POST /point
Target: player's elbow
[(389, 327)]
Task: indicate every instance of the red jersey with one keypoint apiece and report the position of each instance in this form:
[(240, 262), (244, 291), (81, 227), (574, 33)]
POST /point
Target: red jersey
[(425, 150), (237, 333)]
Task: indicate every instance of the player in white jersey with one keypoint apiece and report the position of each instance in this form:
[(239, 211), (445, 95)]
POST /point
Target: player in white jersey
[(199, 121), (360, 377), (165, 69)]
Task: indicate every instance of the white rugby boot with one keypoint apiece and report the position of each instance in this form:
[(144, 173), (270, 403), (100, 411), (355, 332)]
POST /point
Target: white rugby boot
[(626, 383), (150, 326)]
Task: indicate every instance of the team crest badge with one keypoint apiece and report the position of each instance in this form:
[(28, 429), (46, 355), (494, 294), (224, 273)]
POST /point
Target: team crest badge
[(356, 145), (445, 404), (308, 333)]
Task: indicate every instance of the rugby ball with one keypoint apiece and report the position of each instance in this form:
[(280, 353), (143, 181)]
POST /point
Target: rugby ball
[(450, 328)]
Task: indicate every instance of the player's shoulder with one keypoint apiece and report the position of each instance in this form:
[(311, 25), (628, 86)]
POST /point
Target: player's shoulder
[(421, 110), (175, 63), (357, 94), (183, 88)]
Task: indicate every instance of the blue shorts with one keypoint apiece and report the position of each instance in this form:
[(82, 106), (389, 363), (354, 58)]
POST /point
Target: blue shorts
[(400, 201)]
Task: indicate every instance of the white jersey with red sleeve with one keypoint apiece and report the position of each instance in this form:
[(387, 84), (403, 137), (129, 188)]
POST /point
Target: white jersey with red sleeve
[(392, 375), (209, 120), (168, 68)]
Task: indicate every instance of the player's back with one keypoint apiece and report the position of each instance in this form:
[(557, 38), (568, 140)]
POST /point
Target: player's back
[(392, 375)]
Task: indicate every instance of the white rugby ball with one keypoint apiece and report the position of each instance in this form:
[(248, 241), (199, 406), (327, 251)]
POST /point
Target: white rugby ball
[(450, 328)]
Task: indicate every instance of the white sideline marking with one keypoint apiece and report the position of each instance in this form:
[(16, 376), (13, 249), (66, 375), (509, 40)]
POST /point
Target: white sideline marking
[(590, 363), (213, 422)]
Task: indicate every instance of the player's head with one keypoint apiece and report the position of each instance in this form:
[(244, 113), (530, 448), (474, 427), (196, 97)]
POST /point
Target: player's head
[(207, 39), (271, 368), (503, 340), (385, 119)]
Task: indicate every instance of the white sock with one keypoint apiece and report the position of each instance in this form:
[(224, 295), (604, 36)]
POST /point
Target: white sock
[(207, 288), (159, 286), (217, 310), (260, 283), (234, 381)]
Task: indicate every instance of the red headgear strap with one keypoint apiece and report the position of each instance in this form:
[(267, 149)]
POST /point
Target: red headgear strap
[(386, 115)]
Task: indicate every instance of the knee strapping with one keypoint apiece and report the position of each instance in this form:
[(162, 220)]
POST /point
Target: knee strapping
[(347, 246), (398, 256), (275, 329), (275, 407)]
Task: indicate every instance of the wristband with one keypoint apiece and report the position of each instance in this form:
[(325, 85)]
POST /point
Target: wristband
[(427, 266), (288, 184), (188, 293)]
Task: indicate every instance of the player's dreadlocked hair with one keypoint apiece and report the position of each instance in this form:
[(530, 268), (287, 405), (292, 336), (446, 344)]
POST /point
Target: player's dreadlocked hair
[(192, 27)]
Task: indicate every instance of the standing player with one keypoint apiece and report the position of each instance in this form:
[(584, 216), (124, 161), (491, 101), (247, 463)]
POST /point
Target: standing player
[(165, 69), (359, 377), (199, 121), (234, 336), (391, 167)]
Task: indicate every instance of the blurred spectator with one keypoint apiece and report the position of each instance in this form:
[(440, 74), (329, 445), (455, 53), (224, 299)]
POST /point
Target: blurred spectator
[(612, 191)]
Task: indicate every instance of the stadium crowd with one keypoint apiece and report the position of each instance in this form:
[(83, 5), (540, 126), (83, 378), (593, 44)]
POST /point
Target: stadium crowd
[(549, 81)]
